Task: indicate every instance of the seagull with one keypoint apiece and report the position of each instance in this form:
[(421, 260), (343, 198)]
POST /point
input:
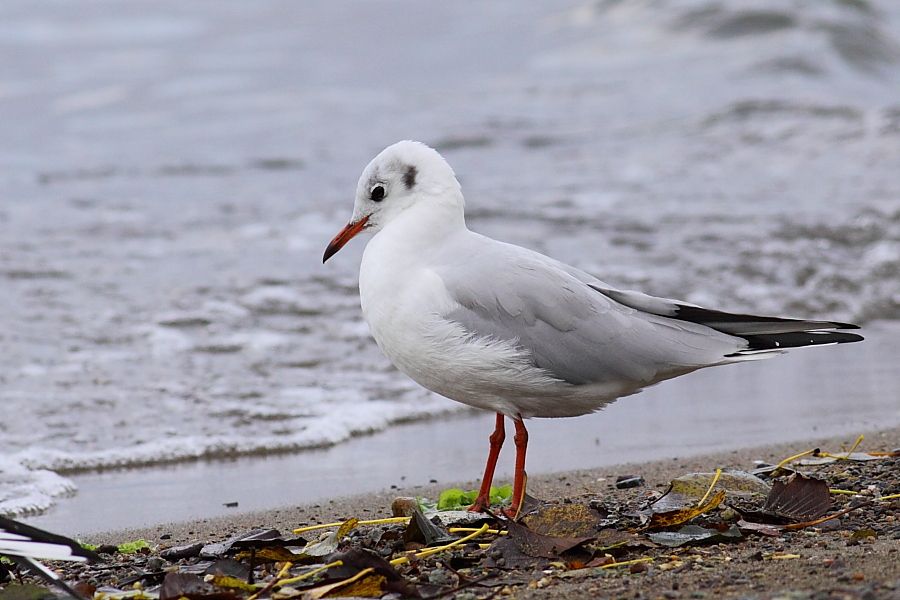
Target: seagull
[(509, 330), (24, 544)]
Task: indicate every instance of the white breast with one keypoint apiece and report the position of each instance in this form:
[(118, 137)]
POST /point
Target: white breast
[(403, 302)]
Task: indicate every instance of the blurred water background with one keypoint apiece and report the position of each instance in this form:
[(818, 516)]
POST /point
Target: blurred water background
[(170, 173)]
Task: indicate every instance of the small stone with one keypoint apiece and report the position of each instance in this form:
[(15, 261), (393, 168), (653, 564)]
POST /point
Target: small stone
[(85, 589), (728, 515), (107, 549), (640, 567), (179, 552), (155, 563), (861, 534), (439, 577), (623, 482), (404, 506)]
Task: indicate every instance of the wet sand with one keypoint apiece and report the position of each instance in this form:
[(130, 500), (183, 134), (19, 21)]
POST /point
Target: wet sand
[(546, 486)]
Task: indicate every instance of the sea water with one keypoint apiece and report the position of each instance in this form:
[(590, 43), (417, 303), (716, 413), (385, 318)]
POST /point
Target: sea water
[(172, 172)]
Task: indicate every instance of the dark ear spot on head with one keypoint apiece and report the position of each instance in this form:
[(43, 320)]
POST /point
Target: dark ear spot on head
[(409, 177)]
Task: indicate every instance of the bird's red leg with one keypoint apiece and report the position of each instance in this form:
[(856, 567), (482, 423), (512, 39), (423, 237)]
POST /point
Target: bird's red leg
[(519, 478), (484, 494)]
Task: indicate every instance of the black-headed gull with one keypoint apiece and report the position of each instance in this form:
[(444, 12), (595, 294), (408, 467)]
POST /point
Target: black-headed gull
[(506, 329), (25, 544)]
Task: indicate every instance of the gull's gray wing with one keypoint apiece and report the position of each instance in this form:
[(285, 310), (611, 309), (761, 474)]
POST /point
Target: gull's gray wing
[(727, 322), (570, 329), (733, 323)]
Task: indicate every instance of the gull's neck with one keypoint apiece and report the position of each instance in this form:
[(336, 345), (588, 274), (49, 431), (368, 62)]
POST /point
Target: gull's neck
[(425, 224)]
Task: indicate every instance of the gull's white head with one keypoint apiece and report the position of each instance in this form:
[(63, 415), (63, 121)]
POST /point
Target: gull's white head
[(402, 175)]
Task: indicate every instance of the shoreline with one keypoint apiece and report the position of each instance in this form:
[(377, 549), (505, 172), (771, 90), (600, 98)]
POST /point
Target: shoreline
[(562, 484), (802, 395)]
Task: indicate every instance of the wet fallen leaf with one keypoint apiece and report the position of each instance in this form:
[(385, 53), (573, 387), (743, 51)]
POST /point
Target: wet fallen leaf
[(230, 567), (769, 471), (227, 581), (542, 546), (179, 552), (219, 549), (853, 456), (329, 542), (617, 542), (365, 584), (354, 561), (371, 586), (694, 534), (505, 553), (682, 515), (826, 518), (734, 483), (798, 499), (269, 539), (274, 554), (423, 531), (761, 528), (180, 585)]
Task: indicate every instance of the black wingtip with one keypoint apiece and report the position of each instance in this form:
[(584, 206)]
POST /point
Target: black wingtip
[(783, 341)]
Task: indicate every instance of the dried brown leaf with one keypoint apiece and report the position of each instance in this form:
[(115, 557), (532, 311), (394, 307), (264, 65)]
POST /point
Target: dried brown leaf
[(694, 534), (800, 498), (679, 516), (538, 545), (761, 528), (365, 584)]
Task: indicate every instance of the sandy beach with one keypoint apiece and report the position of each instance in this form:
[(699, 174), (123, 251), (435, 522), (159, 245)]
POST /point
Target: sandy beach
[(872, 565)]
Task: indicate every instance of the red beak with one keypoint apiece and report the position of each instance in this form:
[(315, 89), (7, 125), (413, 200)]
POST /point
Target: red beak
[(344, 235)]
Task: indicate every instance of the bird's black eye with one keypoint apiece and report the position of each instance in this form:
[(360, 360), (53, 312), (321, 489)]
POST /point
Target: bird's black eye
[(377, 194)]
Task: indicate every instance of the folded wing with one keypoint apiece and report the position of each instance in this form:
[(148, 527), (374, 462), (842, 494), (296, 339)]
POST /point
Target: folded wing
[(583, 331)]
